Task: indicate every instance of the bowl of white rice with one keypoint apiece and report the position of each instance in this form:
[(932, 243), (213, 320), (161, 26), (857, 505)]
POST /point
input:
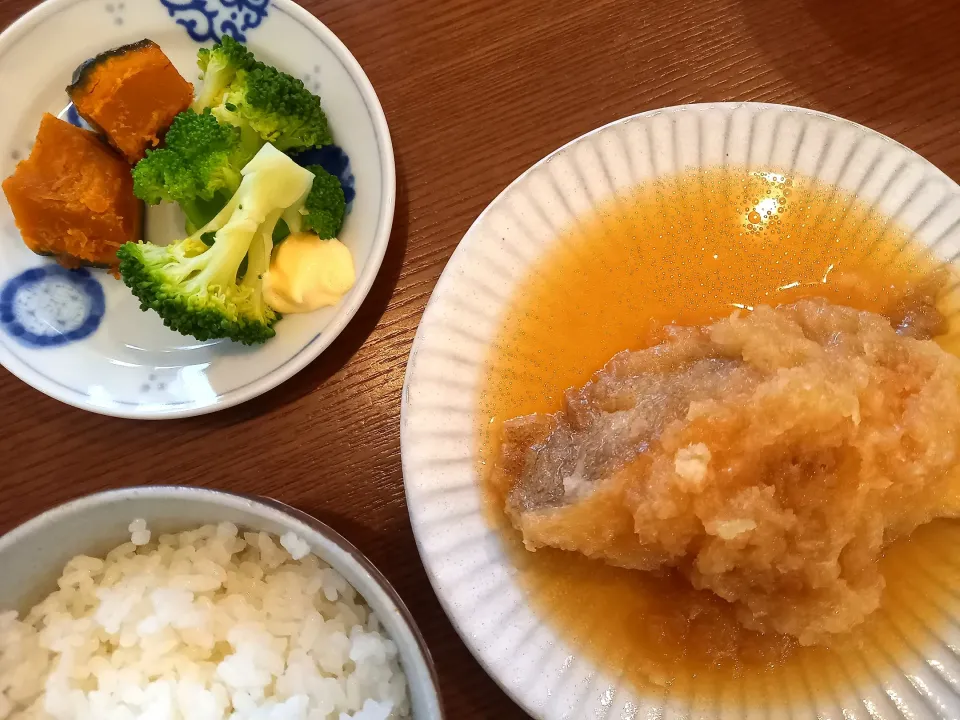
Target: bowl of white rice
[(173, 603)]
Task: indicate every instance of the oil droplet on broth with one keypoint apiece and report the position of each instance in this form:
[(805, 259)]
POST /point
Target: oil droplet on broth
[(614, 282)]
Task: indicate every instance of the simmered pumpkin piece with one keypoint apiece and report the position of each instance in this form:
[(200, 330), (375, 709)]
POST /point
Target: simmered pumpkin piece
[(73, 197), (131, 94)]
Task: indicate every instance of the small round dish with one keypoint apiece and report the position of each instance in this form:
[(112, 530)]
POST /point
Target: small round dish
[(33, 555), (81, 337), (465, 558)]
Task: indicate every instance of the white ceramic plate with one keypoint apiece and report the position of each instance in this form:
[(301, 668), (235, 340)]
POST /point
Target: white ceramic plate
[(463, 555), (81, 337)]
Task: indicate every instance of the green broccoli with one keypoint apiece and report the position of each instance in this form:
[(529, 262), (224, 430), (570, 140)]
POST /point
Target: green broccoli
[(218, 68), (325, 204), (199, 168), (277, 107), (247, 93), (193, 286)]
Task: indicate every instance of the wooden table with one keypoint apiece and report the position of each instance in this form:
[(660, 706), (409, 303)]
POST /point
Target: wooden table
[(476, 91)]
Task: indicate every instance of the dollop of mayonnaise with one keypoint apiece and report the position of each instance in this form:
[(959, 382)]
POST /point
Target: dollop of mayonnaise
[(308, 273)]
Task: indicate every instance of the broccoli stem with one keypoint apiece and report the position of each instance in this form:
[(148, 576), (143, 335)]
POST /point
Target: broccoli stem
[(199, 212), (258, 257), (250, 140), (219, 264), (226, 254)]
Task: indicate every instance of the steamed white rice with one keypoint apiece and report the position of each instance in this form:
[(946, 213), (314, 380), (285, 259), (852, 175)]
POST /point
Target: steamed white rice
[(208, 624)]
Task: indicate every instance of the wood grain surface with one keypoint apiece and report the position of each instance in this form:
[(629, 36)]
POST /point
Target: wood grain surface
[(476, 91)]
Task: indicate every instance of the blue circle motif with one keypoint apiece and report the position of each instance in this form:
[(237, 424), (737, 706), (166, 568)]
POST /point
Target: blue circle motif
[(51, 306), (209, 20)]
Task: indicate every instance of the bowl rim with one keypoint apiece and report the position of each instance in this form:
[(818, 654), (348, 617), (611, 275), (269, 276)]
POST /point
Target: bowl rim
[(335, 549), (414, 506), (344, 313)]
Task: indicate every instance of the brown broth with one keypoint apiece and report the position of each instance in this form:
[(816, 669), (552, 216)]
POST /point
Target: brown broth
[(689, 251)]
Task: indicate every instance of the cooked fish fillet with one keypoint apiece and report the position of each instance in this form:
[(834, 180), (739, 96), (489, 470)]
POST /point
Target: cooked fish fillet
[(769, 457)]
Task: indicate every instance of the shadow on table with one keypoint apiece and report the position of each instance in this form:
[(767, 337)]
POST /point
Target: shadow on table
[(354, 335), (837, 50), (901, 34)]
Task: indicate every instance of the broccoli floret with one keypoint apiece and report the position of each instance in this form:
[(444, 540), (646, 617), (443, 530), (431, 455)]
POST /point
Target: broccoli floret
[(275, 106), (194, 285), (249, 94), (218, 68), (325, 204), (199, 168)]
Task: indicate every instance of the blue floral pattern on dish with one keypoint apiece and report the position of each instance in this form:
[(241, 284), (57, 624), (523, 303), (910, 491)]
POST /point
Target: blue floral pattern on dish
[(335, 161), (115, 10), (209, 20), (312, 80), (51, 306), (72, 116)]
